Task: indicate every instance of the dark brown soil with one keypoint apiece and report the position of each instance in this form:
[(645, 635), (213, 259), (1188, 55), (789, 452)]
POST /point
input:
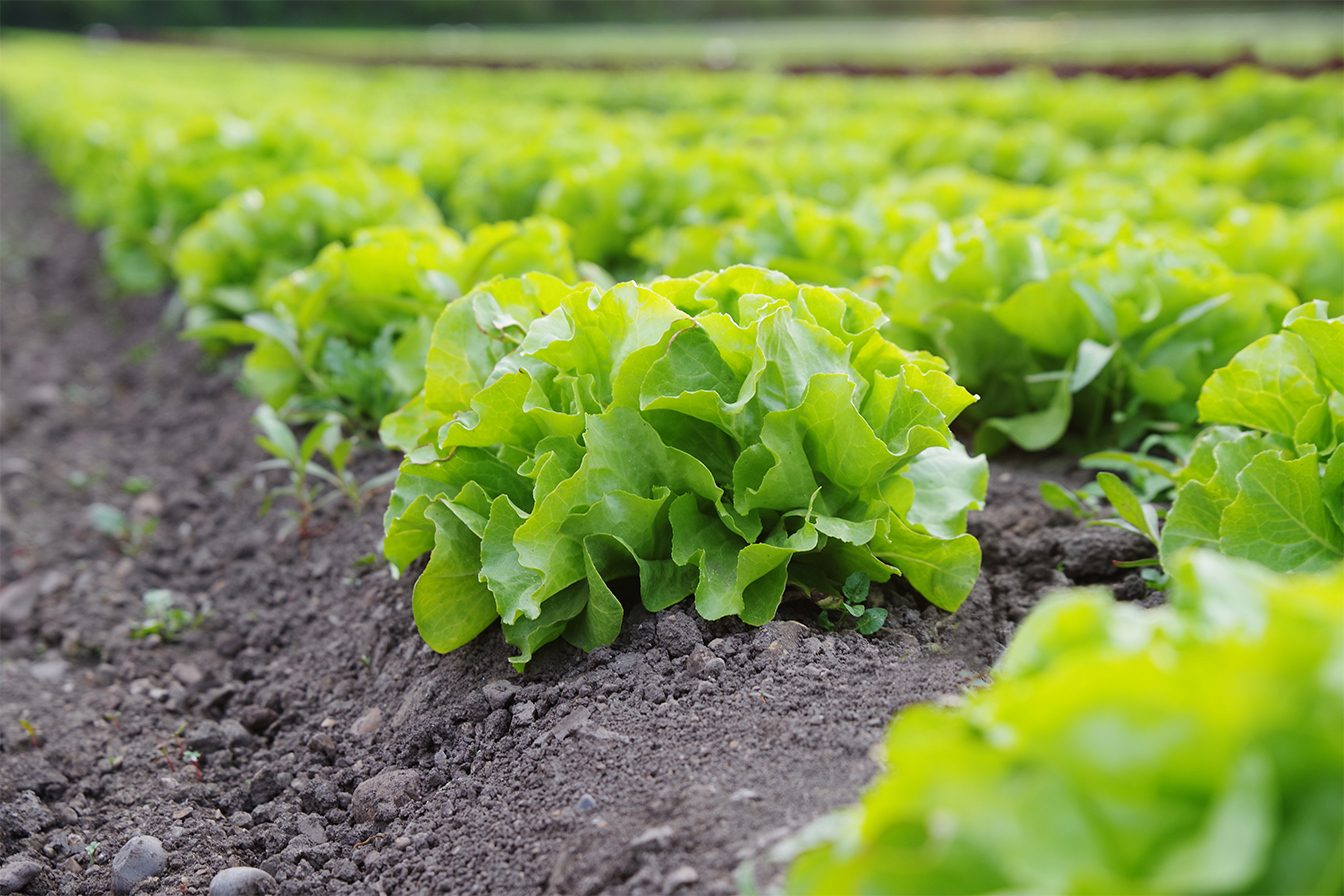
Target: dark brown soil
[(659, 764)]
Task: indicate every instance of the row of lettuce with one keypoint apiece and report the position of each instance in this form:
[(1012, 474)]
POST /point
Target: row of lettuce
[(730, 432), (967, 210)]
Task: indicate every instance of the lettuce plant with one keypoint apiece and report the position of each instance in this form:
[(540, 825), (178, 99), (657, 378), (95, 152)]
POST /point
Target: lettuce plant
[(723, 435), (1194, 748), (226, 260), (350, 331), (1267, 483), (1071, 325)]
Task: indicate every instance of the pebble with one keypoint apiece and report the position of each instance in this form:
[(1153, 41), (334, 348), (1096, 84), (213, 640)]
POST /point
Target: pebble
[(49, 670), (323, 744), (367, 723), (678, 634), (142, 857), (257, 718), (17, 466), (43, 395), (53, 580), (17, 601), (379, 798), (658, 837), (704, 661), (16, 873), (242, 881), (206, 737), (236, 735), (586, 803), (681, 877), (188, 673)]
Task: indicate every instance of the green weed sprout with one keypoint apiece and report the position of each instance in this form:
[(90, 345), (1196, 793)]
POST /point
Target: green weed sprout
[(299, 459), (131, 535), (851, 602), (164, 619)]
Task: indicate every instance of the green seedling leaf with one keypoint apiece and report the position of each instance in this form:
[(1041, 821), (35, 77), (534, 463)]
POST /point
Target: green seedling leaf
[(109, 520), (136, 485), (1142, 517), (277, 437), (1061, 498), (857, 587), (871, 621), (1092, 360)]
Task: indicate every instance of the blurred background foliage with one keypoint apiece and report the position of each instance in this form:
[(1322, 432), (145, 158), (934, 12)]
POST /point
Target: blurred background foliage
[(149, 14)]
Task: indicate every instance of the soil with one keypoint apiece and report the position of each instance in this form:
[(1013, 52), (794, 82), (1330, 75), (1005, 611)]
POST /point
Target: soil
[(660, 764)]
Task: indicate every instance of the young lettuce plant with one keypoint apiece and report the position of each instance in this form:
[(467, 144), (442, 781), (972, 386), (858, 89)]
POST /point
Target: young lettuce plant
[(349, 332), (226, 260), (722, 435), (1015, 789), (1267, 482)]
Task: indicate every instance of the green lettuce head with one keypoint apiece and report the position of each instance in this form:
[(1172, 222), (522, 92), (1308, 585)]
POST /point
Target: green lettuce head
[(724, 435)]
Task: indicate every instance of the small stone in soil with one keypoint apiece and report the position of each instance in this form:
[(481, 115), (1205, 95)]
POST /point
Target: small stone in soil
[(17, 601), (586, 803), (235, 733), (681, 877), (242, 881), (379, 798), (322, 744), (703, 661), (142, 857), (206, 738), (367, 723), (188, 673), (16, 874), (257, 718)]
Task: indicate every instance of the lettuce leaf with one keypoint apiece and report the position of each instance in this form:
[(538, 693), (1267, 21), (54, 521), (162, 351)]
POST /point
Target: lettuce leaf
[(1269, 492)]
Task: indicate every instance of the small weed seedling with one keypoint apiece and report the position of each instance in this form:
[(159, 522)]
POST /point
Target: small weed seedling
[(136, 485), (91, 851), (32, 732), (164, 619), (1151, 474), (1135, 516), (131, 536), (299, 459), (854, 594), (193, 758)]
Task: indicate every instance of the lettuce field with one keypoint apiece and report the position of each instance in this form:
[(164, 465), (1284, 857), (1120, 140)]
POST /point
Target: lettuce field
[(551, 481)]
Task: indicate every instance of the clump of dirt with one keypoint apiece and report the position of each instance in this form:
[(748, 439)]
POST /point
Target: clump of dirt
[(302, 727)]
